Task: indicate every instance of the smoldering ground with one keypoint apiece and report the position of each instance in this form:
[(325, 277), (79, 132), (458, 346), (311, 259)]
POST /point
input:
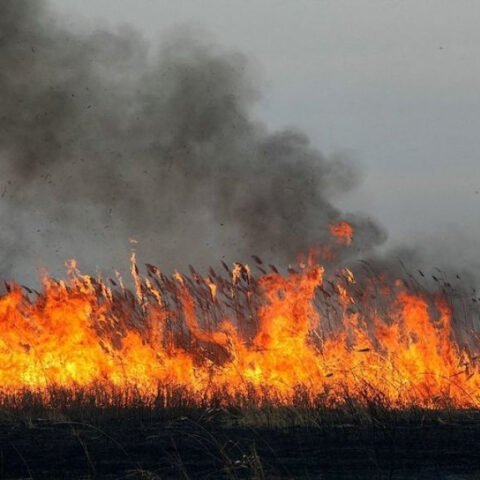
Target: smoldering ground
[(104, 137)]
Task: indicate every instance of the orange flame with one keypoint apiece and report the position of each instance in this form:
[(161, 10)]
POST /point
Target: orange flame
[(343, 232), (270, 338)]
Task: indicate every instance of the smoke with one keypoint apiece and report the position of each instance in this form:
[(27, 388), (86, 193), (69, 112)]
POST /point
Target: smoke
[(103, 138)]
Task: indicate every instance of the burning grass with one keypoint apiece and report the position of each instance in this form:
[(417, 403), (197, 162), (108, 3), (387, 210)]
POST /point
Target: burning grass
[(236, 339)]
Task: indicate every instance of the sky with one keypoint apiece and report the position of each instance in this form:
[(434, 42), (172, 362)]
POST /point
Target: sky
[(393, 85)]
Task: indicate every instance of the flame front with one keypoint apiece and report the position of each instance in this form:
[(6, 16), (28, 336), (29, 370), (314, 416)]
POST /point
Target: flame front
[(271, 338)]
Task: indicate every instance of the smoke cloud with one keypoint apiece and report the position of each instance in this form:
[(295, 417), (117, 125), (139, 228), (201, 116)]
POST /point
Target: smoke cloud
[(103, 138)]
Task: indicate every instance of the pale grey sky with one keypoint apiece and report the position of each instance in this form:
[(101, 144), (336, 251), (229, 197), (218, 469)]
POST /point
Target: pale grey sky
[(393, 83)]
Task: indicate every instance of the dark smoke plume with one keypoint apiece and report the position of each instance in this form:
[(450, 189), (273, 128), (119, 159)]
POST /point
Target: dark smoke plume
[(102, 140)]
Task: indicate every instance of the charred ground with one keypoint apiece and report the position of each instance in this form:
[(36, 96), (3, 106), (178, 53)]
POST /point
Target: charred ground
[(143, 443)]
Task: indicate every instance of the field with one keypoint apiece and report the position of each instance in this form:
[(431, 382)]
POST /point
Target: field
[(74, 440)]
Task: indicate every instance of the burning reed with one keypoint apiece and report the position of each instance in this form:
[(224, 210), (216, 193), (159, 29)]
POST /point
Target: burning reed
[(309, 335)]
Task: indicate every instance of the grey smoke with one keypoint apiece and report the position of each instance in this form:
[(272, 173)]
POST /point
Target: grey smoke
[(103, 138)]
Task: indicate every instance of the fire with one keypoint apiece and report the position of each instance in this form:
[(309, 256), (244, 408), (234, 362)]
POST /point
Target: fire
[(343, 232), (236, 338)]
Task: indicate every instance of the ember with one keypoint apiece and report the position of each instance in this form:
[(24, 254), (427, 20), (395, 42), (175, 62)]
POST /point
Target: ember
[(343, 232)]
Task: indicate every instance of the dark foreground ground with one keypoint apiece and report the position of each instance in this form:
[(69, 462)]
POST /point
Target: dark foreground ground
[(263, 444)]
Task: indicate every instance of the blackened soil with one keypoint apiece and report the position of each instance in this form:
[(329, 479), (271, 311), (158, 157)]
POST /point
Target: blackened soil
[(208, 448)]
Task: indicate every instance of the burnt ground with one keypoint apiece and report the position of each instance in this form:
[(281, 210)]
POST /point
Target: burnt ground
[(210, 444)]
